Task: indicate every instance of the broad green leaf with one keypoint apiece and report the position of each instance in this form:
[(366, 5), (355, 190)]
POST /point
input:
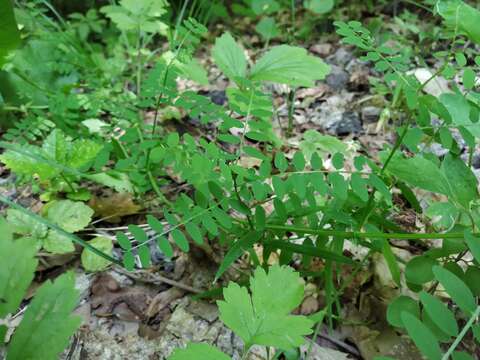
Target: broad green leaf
[(120, 182), (92, 262), (229, 57), (461, 16), (57, 243), (391, 262), (422, 336), (289, 65), (421, 173), (55, 146), (194, 231), (319, 6), (459, 110), (17, 269), (463, 183), (69, 215), (359, 186), (473, 243), (26, 162), (180, 239), (9, 34), (400, 305), (82, 154), (298, 161), (23, 224), (164, 246), (439, 313), (48, 322), (457, 355), (260, 218), (280, 162), (442, 214), (419, 270), (456, 288), (263, 318), (200, 352), (471, 279)]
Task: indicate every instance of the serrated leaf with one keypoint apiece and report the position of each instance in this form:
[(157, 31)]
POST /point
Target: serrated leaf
[(198, 351), (49, 315), (264, 317), (289, 65), (456, 288), (439, 313), (21, 223), (69, 215), (421, 336), (57, 243), (229, 57), (92, 262), (17, 270)]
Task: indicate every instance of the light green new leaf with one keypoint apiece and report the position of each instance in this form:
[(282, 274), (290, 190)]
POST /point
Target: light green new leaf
[(289, 65), (57, 243), (460, 16), (267, 28), (120, 182), (456, 288), (23, 224), (22, 163), (9, 34), (198, 351), (17, 269), (229, 57), (439, 313), (71, 216), (421, 173), (263, 318), (462, 181), (48, 323), (319, 6), (82, 153), (92, 262), (422, 336)]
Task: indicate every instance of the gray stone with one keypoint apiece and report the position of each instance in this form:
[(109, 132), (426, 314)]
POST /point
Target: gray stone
[(341, 57), (338, 78), (371, 114)]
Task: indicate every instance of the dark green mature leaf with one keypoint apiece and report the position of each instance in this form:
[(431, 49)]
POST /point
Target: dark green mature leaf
[(421, 336), (419, 270), (180, 240), (200, 352), (17, 269), (229, 57), (289, 65), (9, 34), (439, 313), (461, 16), (473, 243), (463, 183), (456, 288), (48, 323), (421, 173), (264, 318)]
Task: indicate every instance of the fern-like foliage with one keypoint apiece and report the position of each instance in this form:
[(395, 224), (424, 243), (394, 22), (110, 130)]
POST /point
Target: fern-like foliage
[(29, 129)]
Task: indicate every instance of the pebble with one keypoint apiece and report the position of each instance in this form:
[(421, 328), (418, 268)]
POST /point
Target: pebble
[(371, 114)]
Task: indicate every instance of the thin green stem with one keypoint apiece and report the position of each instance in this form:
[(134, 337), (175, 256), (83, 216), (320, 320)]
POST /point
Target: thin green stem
[(462, 334), (291, 110), (365, 235)]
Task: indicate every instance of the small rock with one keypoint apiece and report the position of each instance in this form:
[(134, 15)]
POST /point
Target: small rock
[(349, 124), (338, 78), (218, 97), (436, 86), (341, 57), (476, 161), (370, 114), (321, 49)]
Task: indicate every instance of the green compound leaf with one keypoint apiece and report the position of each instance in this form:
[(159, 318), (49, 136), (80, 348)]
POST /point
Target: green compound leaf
[(18, 266), (48, 323), (198, 351), (263, 318), (71, 216), (461, 16), (421, 336), (92, 262), (439, 313), (289, 65), (9, 34), (229, 57), (456, 288)]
